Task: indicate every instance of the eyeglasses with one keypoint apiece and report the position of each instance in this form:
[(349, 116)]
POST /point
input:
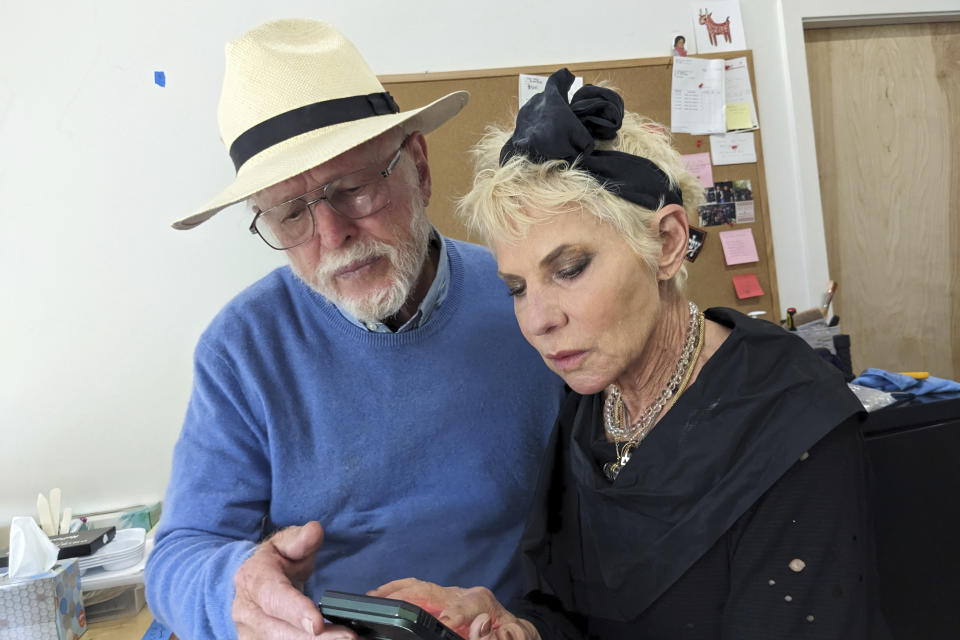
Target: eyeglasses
[(355, 195)]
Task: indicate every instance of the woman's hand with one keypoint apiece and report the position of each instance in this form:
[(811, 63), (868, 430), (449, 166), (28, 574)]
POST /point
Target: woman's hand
[(473, 613)]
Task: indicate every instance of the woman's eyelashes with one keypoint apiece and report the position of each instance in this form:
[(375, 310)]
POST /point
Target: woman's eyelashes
[(569, 269), (574, 268)]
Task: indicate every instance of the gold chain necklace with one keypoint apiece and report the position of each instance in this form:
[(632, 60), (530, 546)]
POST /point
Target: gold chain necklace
[(615, 411)]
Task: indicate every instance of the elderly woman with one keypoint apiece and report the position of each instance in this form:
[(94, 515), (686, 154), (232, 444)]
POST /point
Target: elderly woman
[(705, 477)]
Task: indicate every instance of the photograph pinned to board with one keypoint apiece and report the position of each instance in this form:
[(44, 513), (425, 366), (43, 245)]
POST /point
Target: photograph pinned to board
[(680, 47), (743, 199), (695, 243), (530, 85), (714, 214), (718, 26), (728, 202)]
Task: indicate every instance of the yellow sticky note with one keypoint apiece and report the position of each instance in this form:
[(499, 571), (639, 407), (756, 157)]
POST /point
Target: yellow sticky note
[(738, 116)]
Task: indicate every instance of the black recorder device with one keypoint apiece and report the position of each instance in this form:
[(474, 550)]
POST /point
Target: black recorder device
[(382, 618)]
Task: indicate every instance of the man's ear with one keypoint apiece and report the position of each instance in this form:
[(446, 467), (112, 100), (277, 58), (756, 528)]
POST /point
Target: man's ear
[(674, 238), (417, 146)]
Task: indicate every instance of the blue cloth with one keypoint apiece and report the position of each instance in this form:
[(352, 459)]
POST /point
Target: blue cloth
[(890, 381), (156, 631), (417, 451)]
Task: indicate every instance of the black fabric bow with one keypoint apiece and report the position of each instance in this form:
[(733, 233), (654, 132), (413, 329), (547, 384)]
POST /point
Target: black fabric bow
[(551, 128)]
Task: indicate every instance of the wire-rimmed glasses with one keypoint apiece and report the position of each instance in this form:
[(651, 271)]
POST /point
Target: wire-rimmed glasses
[(356, 195)]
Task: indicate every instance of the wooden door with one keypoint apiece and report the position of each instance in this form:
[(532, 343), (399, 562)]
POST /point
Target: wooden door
[(886, 112)]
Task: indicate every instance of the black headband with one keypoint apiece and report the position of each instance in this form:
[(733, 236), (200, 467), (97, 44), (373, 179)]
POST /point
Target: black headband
[(551, 128), (307, 118)]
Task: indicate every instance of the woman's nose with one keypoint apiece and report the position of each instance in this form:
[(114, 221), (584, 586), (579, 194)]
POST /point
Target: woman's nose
[(540, 315)]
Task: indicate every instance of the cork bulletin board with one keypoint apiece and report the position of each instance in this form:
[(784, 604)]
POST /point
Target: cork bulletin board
[(645, 87)]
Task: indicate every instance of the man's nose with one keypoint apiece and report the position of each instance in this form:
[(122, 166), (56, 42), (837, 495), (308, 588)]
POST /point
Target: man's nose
[(333, 229)]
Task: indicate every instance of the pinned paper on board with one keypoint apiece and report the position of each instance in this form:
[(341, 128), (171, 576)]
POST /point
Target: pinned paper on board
[(530, 85), (695, 241), (738, 246), (738, 116), (745, 210), (733, 148), (697, 96), (738, 94), (747, 285), (718, 26), (699, 165)]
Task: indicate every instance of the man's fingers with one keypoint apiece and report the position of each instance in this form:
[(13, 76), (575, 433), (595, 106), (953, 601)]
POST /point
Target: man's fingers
[(298, 543), (280, 600), (337, 632), (266, 628)]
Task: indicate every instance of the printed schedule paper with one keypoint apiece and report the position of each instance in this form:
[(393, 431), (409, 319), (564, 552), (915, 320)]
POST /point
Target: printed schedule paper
[(697, 103)]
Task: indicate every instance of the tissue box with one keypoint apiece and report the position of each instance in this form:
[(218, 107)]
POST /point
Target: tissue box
[(47, 606)]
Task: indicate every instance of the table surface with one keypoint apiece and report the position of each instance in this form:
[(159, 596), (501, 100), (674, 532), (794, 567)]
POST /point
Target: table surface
[(121, 629)]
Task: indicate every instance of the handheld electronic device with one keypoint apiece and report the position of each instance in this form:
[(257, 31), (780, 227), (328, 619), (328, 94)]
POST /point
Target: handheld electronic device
[(382, 618)]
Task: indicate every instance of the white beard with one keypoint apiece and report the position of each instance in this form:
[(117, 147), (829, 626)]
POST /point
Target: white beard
[(407, 259)]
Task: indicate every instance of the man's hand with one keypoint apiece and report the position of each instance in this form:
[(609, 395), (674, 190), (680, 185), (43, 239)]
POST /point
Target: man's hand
[(269, 602), (473, 613)]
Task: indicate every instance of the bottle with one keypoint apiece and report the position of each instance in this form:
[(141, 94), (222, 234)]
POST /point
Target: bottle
[(791, 325)]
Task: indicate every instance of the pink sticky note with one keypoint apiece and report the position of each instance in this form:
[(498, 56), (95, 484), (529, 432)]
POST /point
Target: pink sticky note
[(738, 246), (699, 165), (747, 286)]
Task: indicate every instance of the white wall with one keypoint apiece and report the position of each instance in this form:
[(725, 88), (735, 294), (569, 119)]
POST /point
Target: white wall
[(101, 302)]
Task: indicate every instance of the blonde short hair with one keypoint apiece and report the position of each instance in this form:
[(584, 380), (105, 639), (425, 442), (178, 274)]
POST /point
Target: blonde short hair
[(506, 200)]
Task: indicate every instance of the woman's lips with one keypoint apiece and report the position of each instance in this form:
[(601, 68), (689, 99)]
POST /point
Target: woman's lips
[(566, 360), (352, 268)]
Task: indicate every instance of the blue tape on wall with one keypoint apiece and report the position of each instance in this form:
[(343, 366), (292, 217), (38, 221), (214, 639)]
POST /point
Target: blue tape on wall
[(160, 78)]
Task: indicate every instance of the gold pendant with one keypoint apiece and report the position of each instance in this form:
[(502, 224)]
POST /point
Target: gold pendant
[(611, 470)]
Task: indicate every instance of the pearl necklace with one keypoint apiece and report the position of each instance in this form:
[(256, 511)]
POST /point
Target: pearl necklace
[(614, 410)]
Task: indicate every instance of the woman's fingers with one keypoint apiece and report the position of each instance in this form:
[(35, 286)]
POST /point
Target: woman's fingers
[(480, 627)]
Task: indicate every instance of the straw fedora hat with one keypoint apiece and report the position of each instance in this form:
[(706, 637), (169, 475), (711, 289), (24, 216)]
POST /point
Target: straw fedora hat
[(296, 93)]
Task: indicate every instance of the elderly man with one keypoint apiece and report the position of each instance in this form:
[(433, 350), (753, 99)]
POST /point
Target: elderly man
[(378, 386)]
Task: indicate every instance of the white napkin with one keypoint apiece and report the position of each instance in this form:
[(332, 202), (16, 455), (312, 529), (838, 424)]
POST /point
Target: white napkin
[(31, 551)]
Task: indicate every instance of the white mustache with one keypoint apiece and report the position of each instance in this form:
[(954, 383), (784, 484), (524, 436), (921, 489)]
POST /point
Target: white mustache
[(355, 253)]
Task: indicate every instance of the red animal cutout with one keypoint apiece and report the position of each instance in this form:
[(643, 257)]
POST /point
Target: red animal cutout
[(715, 28)]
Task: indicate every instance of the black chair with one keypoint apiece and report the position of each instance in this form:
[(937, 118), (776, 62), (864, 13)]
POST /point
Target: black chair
[(913, 452)]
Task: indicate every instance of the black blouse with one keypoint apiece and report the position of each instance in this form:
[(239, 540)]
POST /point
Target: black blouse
[(757, 467)]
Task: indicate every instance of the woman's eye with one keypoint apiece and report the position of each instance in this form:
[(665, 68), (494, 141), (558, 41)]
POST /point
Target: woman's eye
[(515, 290), (571, 272)]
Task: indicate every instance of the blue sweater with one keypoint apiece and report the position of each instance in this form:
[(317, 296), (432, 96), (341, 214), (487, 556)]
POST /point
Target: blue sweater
[(418, 452)]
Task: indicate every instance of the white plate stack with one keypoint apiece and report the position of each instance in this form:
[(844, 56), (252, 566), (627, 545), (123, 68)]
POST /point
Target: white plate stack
[(124, 551)]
